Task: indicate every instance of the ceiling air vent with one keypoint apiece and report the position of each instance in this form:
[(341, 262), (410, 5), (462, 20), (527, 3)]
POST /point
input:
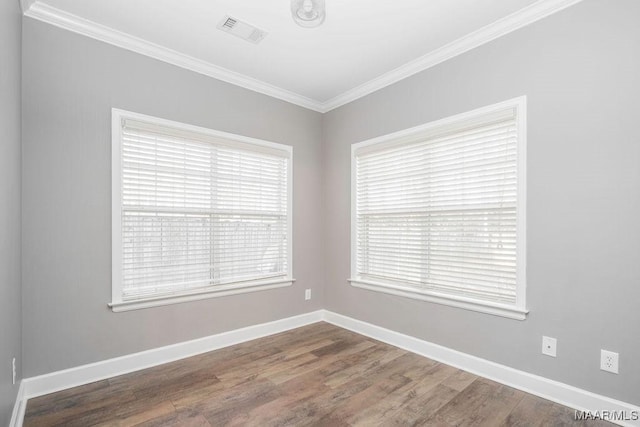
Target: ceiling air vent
[(242, 29), (229, 23)]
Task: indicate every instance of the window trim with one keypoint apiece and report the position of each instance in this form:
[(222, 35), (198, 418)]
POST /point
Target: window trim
[(516, 311), (117, 303)]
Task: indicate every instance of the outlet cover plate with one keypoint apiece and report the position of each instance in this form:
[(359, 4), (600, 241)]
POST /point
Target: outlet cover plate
[(549, 346), (609, 361), (307, 294)]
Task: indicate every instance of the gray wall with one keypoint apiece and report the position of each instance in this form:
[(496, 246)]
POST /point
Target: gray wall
[(580, 70), (70, 84), (10, 328)]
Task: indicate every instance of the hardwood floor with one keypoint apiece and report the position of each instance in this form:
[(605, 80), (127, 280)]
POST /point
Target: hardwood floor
[(318, 375)]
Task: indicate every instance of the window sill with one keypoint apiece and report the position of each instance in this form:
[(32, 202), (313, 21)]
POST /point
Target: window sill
[(510, 312), (140, 304)]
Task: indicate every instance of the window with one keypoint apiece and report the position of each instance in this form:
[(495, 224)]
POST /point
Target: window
[(438, 211), (196, 213)]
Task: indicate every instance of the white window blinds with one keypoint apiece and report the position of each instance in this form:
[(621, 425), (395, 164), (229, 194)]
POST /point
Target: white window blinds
[(199, 212), (436, 211)]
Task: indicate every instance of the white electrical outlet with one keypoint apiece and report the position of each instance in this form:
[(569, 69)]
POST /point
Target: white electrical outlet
[(609, 361), (13, 370), (549, 346), (307, 294)]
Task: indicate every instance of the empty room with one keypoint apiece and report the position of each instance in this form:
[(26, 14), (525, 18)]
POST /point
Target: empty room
[(319, 213)]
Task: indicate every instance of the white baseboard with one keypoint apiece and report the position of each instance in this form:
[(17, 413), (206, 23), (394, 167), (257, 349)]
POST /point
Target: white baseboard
[(18, 408), (85, 374), (563, 394)]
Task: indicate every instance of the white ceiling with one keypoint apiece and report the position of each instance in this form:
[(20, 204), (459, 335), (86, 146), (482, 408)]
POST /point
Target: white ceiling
[(360, 41)]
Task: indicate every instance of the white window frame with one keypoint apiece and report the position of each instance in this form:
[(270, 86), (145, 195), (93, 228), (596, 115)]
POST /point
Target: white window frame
[(117, 303), (516, 311)]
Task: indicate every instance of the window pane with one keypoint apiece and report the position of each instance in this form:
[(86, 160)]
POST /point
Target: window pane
[(199, 211), (437, 212)]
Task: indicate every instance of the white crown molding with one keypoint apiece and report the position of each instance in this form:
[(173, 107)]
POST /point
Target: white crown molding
[(499, 28), (548, 389), (59, 18), (25, 5), (541, 9)]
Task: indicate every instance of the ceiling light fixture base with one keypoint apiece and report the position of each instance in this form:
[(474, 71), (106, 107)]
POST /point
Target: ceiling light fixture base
[(308, 13)]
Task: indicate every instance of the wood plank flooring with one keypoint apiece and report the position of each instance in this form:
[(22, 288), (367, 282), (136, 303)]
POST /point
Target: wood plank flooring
[(318, 375)]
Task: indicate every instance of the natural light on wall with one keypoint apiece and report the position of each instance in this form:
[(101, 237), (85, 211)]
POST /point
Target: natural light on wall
[(196, 213), (438, 211)]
